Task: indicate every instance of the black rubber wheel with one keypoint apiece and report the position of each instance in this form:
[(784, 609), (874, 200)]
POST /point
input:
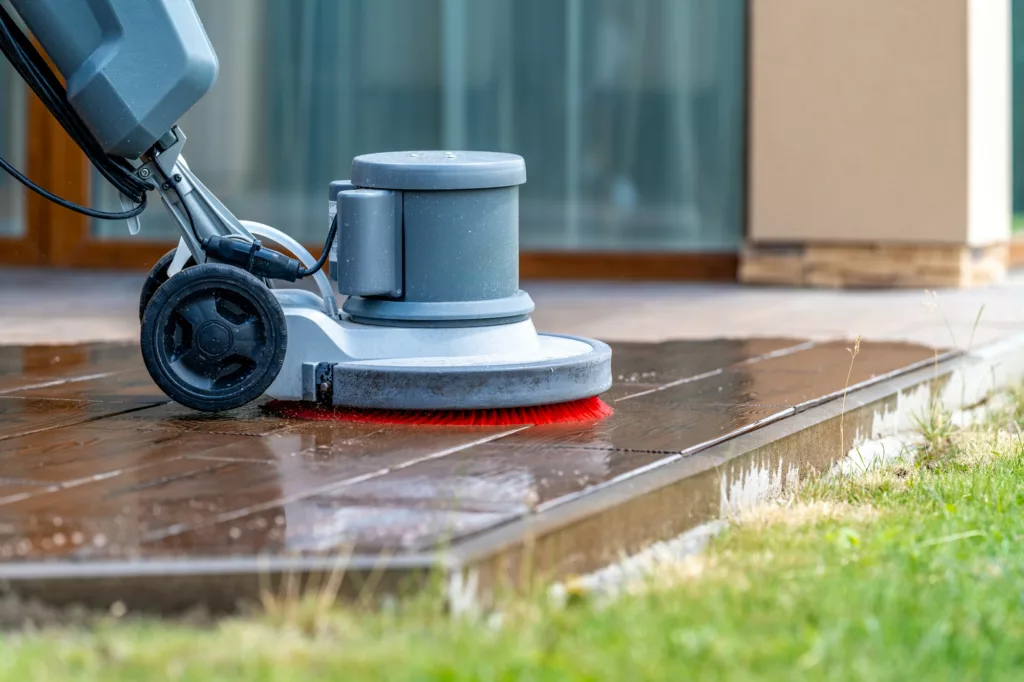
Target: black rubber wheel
[(214, 337), (157, 276)]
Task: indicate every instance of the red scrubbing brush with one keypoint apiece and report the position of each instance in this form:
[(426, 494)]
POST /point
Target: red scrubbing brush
[(583, 410)]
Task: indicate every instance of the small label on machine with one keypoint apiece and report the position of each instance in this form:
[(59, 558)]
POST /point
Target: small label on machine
[(332, 210)]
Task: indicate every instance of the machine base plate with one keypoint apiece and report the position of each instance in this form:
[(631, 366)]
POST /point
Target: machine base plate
[(475, 383)]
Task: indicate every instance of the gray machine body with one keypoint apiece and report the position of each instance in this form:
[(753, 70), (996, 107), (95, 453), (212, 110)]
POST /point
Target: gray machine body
[(369, 243), (132, 67), (431, 238)]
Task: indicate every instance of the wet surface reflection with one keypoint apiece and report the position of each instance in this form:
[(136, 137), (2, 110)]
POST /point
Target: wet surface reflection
[(95, 463)]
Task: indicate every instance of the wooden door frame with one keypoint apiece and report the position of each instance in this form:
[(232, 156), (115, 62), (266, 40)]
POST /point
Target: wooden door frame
[(68, 235)]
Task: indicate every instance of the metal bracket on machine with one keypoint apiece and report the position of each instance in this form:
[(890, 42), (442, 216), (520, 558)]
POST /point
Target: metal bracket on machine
[(196, 210)]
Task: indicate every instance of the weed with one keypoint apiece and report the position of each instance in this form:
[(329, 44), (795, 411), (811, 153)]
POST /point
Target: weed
[(936, 431), (846, 387)]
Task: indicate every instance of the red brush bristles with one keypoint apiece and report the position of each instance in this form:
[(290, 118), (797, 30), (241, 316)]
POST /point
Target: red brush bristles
[(584, 410)]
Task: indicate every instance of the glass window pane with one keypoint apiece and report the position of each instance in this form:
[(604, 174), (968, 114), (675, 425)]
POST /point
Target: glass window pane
[(629, 112), (12, 148)]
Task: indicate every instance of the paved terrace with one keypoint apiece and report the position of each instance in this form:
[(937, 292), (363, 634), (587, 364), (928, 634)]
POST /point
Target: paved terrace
[(108, 491)]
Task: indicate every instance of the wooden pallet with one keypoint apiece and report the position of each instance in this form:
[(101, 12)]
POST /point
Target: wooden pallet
[(874, 265)]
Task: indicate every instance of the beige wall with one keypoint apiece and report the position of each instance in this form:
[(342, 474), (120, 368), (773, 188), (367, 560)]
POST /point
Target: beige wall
[(880, 121)]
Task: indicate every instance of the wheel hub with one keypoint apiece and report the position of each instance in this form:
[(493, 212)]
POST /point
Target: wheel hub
[(214, 339)]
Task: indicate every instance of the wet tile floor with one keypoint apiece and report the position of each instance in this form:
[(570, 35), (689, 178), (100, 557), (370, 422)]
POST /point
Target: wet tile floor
[(97, 465)]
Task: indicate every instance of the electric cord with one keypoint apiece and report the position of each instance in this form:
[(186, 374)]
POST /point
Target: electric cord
[(71, 206), (265, 263), (306, 272), (36, 72)]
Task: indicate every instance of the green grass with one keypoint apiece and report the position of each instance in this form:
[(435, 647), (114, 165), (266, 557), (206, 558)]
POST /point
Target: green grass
[(910, 571), (1018, 222)]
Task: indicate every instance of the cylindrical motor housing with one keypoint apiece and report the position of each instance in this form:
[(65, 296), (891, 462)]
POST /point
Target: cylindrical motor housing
[(456, 223)]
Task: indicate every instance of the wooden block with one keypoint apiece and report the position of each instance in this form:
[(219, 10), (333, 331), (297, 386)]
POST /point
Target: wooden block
[(841, 266)]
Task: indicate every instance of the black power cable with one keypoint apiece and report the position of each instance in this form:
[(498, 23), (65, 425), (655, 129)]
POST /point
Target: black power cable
[(264, 262), (31, 66), (60, 201), (304, 272)]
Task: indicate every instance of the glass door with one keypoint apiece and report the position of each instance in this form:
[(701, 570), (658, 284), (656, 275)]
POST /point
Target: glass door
[(12, 148), (17, 241), (630, 114)]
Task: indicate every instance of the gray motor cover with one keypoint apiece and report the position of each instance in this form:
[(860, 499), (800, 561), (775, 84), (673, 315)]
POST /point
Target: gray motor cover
[(458, 231), (132, 67)]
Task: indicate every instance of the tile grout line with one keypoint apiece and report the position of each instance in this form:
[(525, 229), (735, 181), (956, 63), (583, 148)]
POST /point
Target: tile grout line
[(48, 488), (178, 529), (782, 352), (673, 457), (87, 420), (545, 506), (61, 382), (673, 384), (790, 411), (171, 478)]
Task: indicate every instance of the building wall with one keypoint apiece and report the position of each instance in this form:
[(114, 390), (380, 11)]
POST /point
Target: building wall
[(880, 121)]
